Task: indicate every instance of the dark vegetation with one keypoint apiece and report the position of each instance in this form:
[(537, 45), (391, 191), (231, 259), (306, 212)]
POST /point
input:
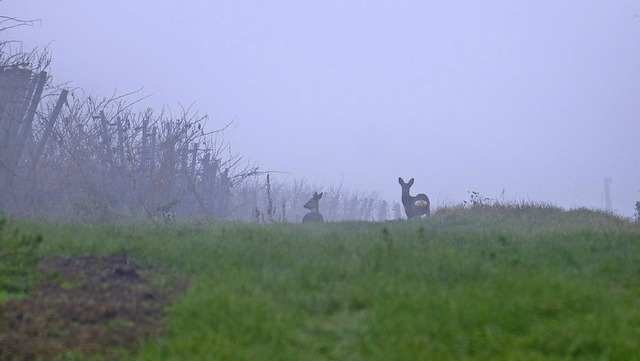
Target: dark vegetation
[(62, 307)]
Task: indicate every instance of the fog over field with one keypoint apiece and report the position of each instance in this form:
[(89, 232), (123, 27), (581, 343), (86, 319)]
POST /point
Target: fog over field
[(517, 100)]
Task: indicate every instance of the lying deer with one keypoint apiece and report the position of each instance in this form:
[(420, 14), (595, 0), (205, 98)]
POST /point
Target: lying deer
[(314, 206), (414, 207)]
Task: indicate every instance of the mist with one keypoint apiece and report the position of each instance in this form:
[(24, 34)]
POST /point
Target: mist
[(534, 101)]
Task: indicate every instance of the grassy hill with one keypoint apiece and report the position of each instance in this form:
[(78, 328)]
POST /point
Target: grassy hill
[(521, 282)]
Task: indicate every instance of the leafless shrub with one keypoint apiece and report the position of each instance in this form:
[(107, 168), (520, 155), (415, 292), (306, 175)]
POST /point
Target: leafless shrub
[(279, 201), (98, 159)]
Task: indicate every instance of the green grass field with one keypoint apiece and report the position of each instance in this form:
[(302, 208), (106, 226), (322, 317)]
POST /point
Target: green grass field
[(517, 282)]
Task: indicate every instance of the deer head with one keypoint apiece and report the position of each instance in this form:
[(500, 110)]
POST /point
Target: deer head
[(314, 206)]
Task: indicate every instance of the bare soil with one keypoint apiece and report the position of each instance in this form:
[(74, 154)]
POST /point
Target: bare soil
[(94, 305)]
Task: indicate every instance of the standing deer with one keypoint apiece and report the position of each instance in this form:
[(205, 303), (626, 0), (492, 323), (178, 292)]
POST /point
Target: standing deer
[(314, 206), (416, 206)]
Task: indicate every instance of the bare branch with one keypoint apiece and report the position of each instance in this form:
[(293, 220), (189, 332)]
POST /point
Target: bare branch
[(15, 22)]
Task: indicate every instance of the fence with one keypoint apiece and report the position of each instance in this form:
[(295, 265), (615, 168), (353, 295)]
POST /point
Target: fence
[(98, 161), (72, 157)]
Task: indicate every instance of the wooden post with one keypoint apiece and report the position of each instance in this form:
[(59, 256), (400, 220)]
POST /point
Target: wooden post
[(121, 157), (205, 183), (152, 154), (184, 158), (120, 188), (49, 129), (15, 93), (106, 139), (223, 192), (15, 99), (152, 167), (194, 158), (44, 139), (28, 120), (144, 161)]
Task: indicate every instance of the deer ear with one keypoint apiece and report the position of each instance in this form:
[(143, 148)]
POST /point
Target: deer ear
[(400, 180), (410, 182)]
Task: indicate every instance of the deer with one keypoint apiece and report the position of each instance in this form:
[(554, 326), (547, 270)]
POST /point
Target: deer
[(414, 207), (314, 206)]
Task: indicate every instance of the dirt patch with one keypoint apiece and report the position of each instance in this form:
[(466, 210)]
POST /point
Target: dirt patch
[(92, 305)]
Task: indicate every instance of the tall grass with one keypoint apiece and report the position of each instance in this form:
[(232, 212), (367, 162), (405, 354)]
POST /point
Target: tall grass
[(521, 282), (18, 258)]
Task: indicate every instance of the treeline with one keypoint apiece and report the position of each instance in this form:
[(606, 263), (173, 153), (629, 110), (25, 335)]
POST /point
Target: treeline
[(68, 156)]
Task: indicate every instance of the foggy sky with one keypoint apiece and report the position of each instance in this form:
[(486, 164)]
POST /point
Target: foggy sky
[(539, 99)]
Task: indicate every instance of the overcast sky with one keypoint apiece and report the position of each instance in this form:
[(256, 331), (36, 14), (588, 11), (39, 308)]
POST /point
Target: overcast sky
[(538, 98)]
